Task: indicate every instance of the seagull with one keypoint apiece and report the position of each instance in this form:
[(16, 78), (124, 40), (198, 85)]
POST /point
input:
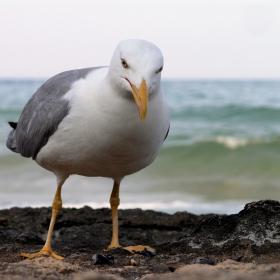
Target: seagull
[(101, 121)]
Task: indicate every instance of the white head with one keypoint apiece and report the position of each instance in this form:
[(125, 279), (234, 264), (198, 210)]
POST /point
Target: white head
[(136, 68)]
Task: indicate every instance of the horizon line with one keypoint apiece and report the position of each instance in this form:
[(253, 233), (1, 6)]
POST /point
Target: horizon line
[(167, 79)]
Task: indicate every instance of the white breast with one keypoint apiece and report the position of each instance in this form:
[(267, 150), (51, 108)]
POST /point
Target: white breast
[(102, 134)]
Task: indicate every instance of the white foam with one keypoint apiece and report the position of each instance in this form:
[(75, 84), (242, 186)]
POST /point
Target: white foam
[(231, 142), (195, 207), (229, 207)]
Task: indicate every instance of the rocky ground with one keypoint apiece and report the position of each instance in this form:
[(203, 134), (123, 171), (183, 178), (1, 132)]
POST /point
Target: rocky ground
[(241, 246)]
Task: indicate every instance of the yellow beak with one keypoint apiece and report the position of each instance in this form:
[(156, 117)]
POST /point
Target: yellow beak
[(141, 98)]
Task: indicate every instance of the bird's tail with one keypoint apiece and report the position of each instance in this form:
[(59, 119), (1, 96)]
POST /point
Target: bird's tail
[(11, 141)]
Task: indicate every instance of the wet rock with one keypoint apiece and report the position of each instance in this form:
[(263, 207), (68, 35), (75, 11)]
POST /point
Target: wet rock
[(29, 238), (248, 235), (253, 235), (15, 235)]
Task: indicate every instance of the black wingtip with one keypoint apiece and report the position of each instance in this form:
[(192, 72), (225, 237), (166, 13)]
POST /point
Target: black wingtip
[(167, 132), (13, 124)]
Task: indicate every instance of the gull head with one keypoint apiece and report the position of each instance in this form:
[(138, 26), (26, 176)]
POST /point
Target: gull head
[(135, 70)]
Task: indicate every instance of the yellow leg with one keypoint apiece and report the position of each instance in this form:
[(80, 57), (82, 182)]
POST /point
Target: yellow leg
[(56, 206), (115, 202)]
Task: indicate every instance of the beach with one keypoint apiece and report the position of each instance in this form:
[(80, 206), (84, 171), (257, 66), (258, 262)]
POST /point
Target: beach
[(238, 246)]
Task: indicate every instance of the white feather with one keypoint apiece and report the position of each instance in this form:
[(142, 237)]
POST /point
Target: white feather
[(102, 135)]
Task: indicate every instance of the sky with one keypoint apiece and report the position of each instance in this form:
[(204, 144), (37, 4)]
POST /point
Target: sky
[(199, 39)]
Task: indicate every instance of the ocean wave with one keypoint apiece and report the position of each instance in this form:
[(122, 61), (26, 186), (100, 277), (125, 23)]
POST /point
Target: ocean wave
[(226, 141), (223, 158), (221, 142), (234, 143), (228, 112)]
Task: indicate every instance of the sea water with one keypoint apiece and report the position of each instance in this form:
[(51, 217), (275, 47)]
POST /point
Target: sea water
[(223, 150)]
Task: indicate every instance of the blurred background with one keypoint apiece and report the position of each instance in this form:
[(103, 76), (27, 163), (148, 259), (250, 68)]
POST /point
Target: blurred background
[(221, 79)]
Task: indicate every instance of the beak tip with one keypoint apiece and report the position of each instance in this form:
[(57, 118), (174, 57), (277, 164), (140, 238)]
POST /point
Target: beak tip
[(141, 99)]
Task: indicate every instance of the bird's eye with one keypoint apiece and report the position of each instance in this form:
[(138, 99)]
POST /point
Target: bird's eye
[(124, 64), (160, 69)]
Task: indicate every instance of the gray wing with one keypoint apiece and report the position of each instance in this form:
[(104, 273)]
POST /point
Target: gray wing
[(44, 111)]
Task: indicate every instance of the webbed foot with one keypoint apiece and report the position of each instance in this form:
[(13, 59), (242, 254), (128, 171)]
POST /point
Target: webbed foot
[(43, 251)]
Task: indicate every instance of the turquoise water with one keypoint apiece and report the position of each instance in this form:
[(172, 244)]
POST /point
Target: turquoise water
[(223, 150)]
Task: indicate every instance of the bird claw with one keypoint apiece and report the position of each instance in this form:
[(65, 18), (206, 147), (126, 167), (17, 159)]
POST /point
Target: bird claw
[(42, 252)]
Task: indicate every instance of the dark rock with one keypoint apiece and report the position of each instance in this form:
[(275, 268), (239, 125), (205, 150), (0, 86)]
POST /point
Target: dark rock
[(147, 253), (253, 232), (102, 259), (179, 239), (29, 238), (206, 261), (15, 235)]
